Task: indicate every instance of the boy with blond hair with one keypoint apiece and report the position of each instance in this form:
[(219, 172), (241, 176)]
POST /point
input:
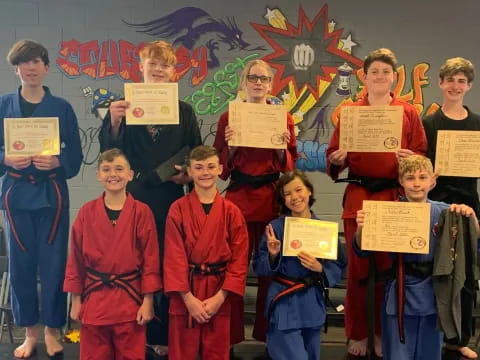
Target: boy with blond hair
[(149, 148), (421, 338)]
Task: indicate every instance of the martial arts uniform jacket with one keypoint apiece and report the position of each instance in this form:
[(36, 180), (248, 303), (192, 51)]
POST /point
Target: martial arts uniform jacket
[(128, 246)]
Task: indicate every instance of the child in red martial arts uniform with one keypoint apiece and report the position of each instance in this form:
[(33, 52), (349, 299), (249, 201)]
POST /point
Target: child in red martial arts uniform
[(206, 245), (113, 267)]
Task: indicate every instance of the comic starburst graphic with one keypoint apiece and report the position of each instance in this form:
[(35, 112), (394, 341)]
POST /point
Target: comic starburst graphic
[(318, 36)]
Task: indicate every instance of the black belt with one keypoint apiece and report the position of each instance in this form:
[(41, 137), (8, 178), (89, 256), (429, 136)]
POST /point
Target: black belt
[(256, 181), (207, 270), (33, 179), (372, 184), (123, 281)]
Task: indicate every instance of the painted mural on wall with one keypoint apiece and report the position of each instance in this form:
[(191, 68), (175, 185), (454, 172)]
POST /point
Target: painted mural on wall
[(316, 70)]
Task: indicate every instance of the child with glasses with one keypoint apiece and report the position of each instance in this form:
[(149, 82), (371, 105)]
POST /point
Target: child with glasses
[(253, 173)]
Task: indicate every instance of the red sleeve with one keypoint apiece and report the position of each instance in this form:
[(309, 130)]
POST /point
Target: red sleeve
[(417, 140), (75, 271), (148, 240), (291, 152), (236, 273), (334, 170), (175, 264), (222, 147)]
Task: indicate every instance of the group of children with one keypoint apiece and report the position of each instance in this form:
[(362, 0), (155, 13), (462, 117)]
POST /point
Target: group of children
[(143, 252)]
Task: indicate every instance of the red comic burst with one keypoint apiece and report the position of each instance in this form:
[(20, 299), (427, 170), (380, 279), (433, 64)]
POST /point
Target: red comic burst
[(316, 35)]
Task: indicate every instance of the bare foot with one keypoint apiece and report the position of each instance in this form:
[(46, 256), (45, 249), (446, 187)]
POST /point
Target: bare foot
[(378, 346), (26, 350), (467, 352), (358, 347), (51, 341)]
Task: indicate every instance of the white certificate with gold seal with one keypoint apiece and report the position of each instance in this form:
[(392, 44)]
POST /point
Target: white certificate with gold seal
[(257, 125), (31, 136), (396, 226), (316, 237), (371, 128), (152, 103)]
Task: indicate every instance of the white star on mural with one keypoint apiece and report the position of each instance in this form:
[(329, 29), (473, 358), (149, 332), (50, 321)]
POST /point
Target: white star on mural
[(285, 96), (348, 43), (270, 14)]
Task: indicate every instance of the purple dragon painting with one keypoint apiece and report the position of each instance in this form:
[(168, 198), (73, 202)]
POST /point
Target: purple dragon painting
[(176, 23)]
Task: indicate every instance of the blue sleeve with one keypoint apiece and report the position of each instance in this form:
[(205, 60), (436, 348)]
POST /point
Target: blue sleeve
[(71, 155), (3, 168), (334, 270), (261, 259)]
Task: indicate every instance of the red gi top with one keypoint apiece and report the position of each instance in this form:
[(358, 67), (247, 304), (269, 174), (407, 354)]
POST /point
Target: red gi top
[(192, 237), (256, 204), (130, 245), (379, 165)]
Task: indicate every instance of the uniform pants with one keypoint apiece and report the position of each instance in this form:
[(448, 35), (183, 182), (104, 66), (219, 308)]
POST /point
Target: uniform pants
[(125, 341), (49, 260), (356, 295), (294, 344), (210, 341), (255, 232), (423, 341)]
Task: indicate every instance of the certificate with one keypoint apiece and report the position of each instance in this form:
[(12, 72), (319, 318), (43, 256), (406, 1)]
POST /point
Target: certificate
[(371, 128), (152, 104), (31, 136), (395, 226), (458, 153), (315, 237), (257, 125)]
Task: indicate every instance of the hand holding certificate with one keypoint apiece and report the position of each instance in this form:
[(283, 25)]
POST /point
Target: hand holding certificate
[(396, 226), (371, 128), (457, 153), (315, 237), (257, 125), (152, 103), (31, 136)]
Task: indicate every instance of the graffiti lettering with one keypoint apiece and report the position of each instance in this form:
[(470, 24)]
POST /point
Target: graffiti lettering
[(311, 156), (109, 58), (99, 61), (214, 96)]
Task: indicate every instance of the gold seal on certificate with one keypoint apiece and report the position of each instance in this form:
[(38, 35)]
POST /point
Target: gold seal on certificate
[(257, 125), (457, 153), (371, 128), (315, 237), (396, 226), (152, 103), (31, 136)]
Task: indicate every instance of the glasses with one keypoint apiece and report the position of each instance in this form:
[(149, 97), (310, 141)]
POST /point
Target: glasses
[(254, 79)]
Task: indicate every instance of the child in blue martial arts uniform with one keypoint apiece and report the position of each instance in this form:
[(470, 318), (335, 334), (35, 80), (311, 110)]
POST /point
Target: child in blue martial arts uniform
[(295, 320), (34, 198), (422, 338)]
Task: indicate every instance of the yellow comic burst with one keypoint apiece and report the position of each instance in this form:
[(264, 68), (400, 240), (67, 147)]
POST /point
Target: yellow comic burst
[(72, 336)]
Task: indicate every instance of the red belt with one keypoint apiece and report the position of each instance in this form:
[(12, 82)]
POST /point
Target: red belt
[(32, 179)]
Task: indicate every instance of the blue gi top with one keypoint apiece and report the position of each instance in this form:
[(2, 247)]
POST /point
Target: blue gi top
[(27, 196), (419, 294), (305, 309)]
